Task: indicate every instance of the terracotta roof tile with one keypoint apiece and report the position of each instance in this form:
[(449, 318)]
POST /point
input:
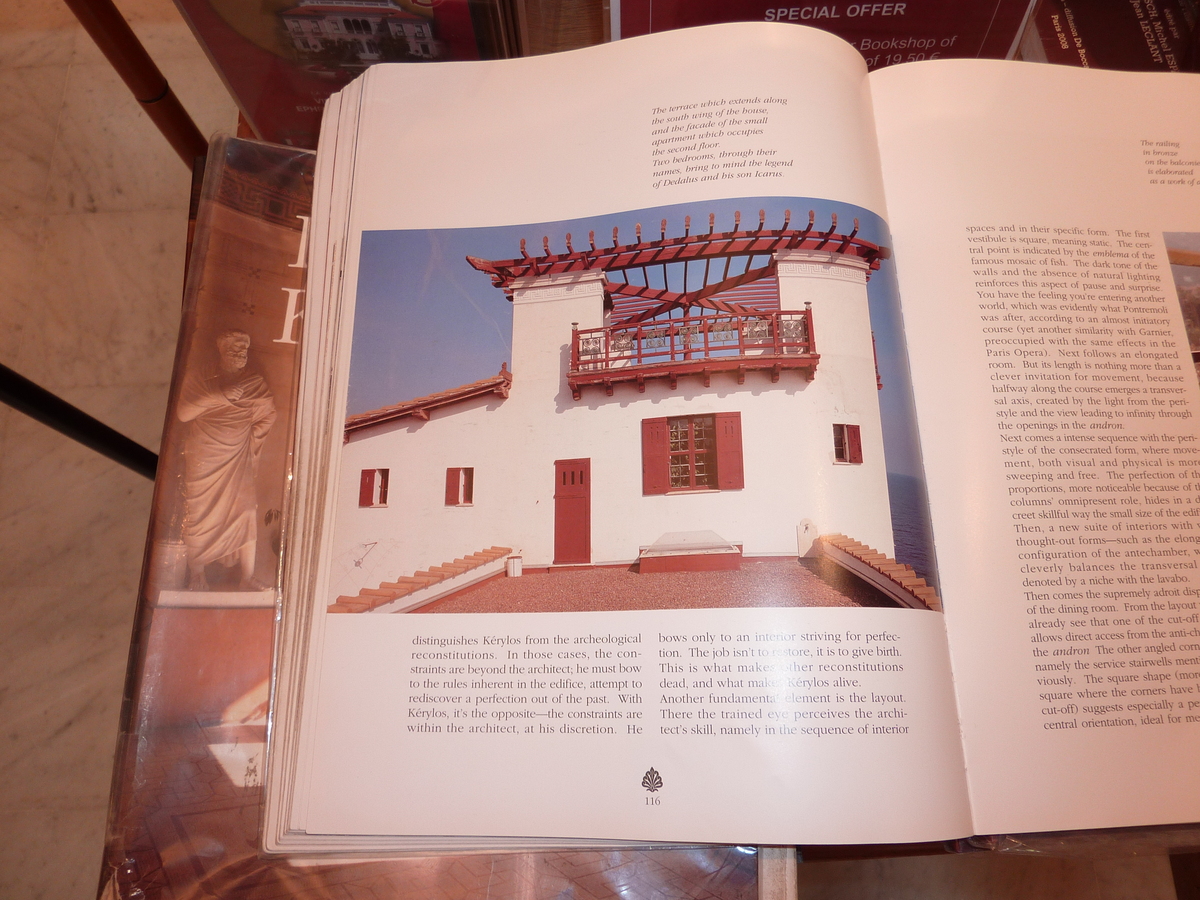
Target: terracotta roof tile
[(420, 407)]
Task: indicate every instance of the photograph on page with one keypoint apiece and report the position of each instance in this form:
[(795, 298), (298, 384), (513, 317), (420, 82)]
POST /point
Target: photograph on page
[(683, 406)]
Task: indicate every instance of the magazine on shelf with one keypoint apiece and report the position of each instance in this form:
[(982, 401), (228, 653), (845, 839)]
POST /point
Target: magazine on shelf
[(766, 453)]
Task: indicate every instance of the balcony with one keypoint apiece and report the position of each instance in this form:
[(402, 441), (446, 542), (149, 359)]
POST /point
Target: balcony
[(694, 345)]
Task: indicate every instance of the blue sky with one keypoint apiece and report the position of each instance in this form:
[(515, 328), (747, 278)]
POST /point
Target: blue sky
[(427, 321)]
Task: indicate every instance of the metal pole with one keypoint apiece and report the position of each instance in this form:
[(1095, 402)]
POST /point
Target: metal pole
[(38, 403), (114, 37)]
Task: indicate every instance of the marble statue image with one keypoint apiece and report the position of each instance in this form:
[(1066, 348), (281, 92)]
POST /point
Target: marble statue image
[(229, 411)]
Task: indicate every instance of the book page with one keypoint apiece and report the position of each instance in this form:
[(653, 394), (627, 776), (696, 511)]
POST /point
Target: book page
[(627, 539), (1046, 224)]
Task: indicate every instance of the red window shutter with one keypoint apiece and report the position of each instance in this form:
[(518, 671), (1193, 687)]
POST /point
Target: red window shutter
[(468, 485), (854, 439), (730, 473), (366, 488), (452, 487), (383, 486), (656, 456)]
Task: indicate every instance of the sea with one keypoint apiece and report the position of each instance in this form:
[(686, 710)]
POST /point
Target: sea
[(910, 524)]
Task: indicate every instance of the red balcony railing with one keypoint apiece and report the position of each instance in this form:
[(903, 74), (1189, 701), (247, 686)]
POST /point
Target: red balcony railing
[(694, 345)]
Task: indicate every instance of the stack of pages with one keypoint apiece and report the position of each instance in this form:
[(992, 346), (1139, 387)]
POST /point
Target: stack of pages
[(701, 440)]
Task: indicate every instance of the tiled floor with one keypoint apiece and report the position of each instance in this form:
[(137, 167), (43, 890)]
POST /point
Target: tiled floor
[(767, 582), (92, 223)]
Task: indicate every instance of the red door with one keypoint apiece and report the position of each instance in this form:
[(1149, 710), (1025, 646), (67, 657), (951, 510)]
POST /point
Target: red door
[(572, 511)]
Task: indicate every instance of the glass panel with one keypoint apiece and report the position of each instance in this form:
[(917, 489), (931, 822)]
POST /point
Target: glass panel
[(681, 471), (693, 442), (679, 434), (704, 442)]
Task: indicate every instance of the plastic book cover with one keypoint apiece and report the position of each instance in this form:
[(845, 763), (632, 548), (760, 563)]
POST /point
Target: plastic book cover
[(185, 812)]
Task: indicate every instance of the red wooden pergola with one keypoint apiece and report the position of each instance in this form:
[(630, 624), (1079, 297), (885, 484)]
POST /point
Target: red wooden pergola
[(693, 303), (704, 270)]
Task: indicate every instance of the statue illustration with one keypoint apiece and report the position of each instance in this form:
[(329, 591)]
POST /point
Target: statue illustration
[(230, 411)]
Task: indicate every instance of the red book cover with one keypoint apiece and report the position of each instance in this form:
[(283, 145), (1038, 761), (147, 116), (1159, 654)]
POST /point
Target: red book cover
[(884, 33), (1154, 35)]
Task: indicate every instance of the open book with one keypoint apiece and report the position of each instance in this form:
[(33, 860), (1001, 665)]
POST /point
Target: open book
[(702, 441)]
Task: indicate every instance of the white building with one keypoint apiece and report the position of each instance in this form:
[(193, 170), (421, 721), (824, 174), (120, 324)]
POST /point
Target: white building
[(739, 399)]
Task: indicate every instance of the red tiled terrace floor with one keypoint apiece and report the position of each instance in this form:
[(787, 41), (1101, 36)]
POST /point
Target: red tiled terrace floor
[(759, 582)]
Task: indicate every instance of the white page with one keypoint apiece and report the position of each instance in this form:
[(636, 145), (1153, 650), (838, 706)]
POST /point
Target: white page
[(806, 785), (551, 138), (1104, 163)]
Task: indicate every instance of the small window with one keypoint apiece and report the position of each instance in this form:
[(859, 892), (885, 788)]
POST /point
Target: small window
[(847, 444), (460, 486), (373, 488)]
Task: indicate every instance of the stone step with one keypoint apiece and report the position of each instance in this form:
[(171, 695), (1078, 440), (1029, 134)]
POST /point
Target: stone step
[(353, 604), (900, 574), (387, 591), (400, 588)]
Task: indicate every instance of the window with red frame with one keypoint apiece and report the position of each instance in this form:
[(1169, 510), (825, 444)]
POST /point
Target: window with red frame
[(373, 487), (847, 444), (460, 487), (692, 453)]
